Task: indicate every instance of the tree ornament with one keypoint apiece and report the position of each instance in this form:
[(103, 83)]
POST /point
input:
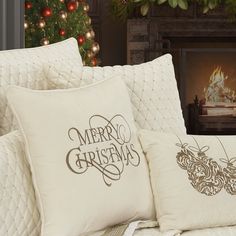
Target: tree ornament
[(41, 23), (44, 41), (62, 32), (81, 39), (86, 7), (51, 21), (46, 12), (95, 48), (63, 14), (94, 61), (71, 6), (88, 21), (90, 34), (90, 54), (28, 5), (26, 24)]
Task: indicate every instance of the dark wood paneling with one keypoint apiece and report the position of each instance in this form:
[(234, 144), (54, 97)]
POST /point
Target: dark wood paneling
[(94, 10), (111, 34)]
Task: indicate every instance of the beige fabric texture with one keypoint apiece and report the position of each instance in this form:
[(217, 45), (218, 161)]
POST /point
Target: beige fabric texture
[(24, 67), (152, 89), (193, 179), (116, 230), (154, 231), (19, 214), (85, 157), (218, 231)]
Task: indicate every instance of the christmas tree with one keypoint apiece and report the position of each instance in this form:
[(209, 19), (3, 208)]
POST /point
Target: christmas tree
[(51, 21)]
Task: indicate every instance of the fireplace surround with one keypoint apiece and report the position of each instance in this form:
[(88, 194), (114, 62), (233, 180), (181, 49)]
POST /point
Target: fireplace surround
[(183, 33)]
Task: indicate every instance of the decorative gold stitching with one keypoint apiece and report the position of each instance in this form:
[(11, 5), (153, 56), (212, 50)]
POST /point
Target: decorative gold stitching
[(206, 175)]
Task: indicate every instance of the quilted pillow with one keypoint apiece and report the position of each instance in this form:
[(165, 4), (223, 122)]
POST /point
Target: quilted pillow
[(24, 67), (152, 88), (19, 215)]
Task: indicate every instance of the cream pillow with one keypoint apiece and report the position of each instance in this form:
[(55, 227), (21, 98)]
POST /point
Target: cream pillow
[(24, 67), (19, 215), (193, 179), (152, 88), (88, 167)]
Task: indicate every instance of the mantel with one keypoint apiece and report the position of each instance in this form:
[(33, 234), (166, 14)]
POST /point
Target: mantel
[(194, 27), (142, 34)]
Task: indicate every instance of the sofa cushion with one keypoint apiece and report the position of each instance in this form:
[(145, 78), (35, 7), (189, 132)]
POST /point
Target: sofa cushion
[(152, 88), (24, 67), (19, 214), (217, 231), (193, 179), (88, 167)]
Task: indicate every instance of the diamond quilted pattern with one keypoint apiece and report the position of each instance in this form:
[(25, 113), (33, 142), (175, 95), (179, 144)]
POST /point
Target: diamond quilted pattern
[(153, 92), (24, 67), (152, 87), (19, 215)]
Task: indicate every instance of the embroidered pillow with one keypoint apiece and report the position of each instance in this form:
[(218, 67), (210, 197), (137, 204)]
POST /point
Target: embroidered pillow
[(88, 168), (193, 179), (152, 88)]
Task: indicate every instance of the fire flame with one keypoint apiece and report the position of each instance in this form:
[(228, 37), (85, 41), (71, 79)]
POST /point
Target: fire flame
[(217, 91)]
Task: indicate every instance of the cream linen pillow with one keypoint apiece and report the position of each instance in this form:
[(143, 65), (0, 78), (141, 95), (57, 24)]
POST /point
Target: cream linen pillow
[(87, 164), (152, 88), (193, 179)]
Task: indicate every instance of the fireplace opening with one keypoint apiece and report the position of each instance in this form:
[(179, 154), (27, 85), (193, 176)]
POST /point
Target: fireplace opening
[(206, 76), (208, 73), (207, 83)]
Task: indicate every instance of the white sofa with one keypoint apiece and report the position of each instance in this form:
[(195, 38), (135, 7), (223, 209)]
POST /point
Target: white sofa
[(19, 215)]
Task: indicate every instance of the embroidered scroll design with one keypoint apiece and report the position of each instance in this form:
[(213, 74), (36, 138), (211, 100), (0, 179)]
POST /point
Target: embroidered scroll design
[(205, 174)]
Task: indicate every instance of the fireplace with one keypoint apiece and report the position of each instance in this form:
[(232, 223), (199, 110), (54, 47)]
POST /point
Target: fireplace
[(204, 51)]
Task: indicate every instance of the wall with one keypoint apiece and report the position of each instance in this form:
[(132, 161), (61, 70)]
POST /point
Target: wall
[(110, 33), (11, 24), (113, 41)]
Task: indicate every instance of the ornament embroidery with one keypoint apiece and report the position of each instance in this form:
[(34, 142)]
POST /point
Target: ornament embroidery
[(110, 160), (206, 175)]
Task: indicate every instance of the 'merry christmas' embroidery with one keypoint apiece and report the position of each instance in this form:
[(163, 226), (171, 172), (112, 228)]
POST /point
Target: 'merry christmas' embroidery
[(109, 161)]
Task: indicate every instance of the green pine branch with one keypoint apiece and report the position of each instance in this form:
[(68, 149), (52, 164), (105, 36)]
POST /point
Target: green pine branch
[(76, 23), (122, 9)]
